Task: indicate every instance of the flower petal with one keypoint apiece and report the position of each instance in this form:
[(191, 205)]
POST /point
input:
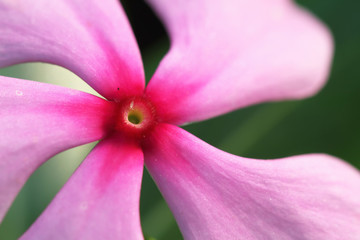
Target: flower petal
[(37, 121), (91, 38), (230, 54), (100, 201), (216, 195)]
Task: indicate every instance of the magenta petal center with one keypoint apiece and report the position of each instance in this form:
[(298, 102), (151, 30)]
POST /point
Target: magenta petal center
[(135, 117)]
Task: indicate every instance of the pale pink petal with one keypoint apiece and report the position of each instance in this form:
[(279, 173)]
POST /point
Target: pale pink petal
[(216, 195), (100, 201), (39, 120), (91, 38), (230, 54)]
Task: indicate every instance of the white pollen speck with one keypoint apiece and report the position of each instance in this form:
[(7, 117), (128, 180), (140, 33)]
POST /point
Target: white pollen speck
[(132, 104), (19, 93)]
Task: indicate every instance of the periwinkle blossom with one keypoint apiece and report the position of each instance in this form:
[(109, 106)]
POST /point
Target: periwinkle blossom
[(224, 55)]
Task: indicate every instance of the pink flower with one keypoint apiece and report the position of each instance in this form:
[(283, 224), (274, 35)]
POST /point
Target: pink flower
[(224, 55)]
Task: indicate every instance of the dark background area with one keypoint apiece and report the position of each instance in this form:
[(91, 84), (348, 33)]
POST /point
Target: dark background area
[(326, 123)]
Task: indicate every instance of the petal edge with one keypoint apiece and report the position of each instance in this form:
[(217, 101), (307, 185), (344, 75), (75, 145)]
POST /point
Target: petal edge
[(215, 195), (231, 54), (40, 120), (101, 199)]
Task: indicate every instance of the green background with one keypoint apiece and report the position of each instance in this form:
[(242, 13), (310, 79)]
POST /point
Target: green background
[(328, 122)]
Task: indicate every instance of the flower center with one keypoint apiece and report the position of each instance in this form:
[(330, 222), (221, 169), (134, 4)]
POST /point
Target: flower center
[(135, 117)]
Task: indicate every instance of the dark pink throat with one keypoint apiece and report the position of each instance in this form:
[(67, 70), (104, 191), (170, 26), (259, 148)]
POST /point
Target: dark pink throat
[(135, 117)]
